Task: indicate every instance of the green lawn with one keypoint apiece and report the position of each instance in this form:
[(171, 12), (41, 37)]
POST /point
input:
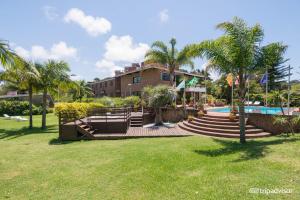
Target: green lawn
[(35, 165)]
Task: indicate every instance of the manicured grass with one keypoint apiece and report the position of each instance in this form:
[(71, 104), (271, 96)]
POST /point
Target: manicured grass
[(35, 165)]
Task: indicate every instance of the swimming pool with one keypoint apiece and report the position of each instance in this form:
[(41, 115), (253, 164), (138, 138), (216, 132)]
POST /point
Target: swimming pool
[(250, 109)]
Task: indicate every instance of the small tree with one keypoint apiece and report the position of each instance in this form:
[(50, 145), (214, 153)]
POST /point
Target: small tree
[(158, 97)]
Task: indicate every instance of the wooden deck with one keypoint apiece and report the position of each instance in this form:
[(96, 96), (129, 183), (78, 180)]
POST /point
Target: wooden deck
[(140, 132)]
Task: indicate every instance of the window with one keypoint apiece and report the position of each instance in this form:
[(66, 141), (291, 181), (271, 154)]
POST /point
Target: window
[(100, 85), (111, 83), (165, 76), (105, 84), (136, 79), (136, 93)]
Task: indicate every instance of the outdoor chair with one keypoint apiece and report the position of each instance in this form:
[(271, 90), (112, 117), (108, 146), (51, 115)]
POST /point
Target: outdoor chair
[(6, 116), (256, 103), (248, 103)]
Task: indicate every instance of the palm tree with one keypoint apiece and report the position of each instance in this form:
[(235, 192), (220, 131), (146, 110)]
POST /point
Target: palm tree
[(6, 54), (238, 51), (52, 73), (24, 76), (81, 90), (169, 57)]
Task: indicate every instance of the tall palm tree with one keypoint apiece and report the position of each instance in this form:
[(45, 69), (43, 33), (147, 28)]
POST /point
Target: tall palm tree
[(238, 51), (169, 57), (6, 54), (24, 76), (52, 73)]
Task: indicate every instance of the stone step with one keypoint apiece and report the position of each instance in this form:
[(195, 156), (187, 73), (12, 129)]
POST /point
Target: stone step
[(224, 135), (235, 126), (215, 130), (217, 119), (136, 120), (216, 122)]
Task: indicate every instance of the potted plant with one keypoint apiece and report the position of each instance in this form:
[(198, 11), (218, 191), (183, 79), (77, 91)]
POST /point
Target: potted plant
[(232, 116), (190, 118), (201, 113), (234, 110)]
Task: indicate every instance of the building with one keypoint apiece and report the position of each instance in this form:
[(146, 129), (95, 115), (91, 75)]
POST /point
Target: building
[(134, 78)]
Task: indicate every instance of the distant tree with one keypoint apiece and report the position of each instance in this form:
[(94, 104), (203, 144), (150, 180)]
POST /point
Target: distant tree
[(96, 79), (81, 89), (273, 60), (169, 57)]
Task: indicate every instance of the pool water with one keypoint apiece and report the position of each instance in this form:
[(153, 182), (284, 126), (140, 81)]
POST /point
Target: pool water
[(250, 109)]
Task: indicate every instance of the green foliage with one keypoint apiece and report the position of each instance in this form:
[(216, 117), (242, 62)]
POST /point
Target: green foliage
[(130, 101), (168, 56), (80, 90), (18, 108), (273, 60), (75, 110), (159, 96), (286, 121)]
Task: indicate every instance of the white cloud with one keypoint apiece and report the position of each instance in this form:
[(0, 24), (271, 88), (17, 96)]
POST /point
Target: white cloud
[(120, 50), (58, 51), (164, 16), (106, 68), (50, 12), (93, 25)]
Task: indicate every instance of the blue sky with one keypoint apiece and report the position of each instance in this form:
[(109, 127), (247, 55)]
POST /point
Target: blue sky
[(97, 37)]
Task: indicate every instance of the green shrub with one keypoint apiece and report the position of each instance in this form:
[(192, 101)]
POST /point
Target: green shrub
[(130, 101), (75, 110), (18, 108)]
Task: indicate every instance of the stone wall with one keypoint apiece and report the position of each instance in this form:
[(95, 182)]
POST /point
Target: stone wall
[(176, 115), (265, 122)]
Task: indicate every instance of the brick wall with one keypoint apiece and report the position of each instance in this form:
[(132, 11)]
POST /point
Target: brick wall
[(104, 88), (148, 77), (265, 122)]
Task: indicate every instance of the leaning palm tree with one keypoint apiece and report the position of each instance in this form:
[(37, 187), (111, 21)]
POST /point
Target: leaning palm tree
[(238, 51), (52, 73), (24, 76), (168, 56), (7, 56)]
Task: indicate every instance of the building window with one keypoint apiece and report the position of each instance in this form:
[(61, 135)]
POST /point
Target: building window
[(136, 93), (165, 76), (100, 85), (111, 83), (136, 79), (105, 84)]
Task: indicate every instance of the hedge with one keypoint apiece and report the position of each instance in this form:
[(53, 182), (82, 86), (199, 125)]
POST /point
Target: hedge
[(130, 101), (76, 110), (18, 108)]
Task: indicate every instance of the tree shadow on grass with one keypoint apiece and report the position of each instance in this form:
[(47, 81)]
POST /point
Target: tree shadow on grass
[(57, 141), (12, 134), (253, 149)]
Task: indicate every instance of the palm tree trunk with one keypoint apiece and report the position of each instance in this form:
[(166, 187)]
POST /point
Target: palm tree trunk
[(242, 93), (158, 120), (242, 122), (30, 106), (44, 109), (172, 79)]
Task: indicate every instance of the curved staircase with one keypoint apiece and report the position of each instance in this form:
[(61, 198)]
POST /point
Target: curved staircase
[(220, 126)]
